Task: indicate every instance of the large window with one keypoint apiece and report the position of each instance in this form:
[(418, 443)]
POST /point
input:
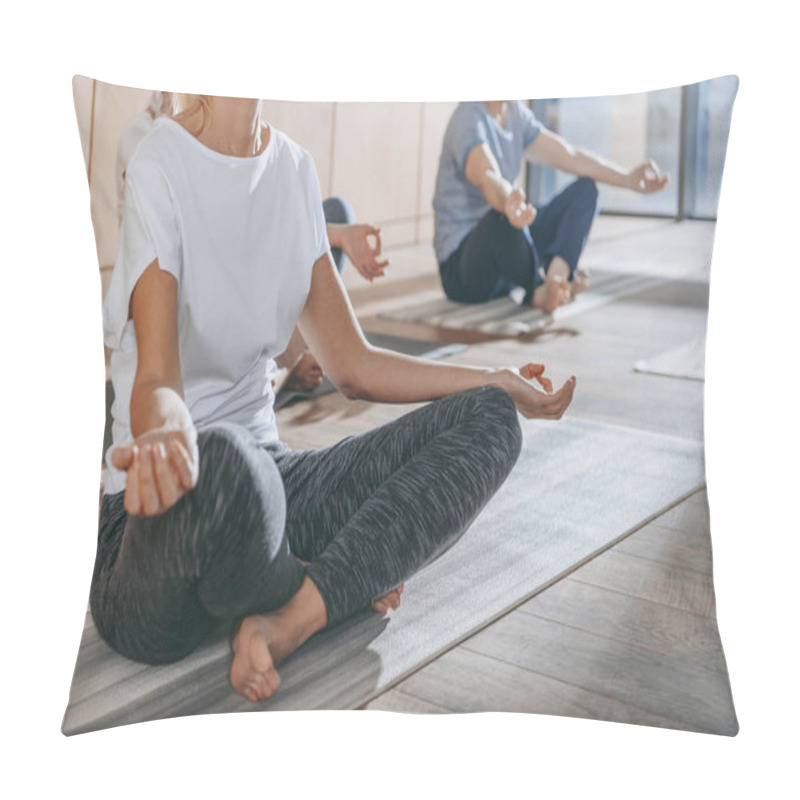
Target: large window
[(714, 103), (683, 129)]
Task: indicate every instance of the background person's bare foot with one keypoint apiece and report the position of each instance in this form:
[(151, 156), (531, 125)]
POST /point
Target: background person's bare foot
[(390, 600), (305, 375), (552, 294), (579, 282)]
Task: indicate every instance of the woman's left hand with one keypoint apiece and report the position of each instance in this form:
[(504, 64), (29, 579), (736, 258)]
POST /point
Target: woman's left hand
[(362, 244), (530, 401)]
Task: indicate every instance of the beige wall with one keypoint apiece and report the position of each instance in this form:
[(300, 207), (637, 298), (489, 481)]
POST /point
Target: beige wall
[(382, 157)]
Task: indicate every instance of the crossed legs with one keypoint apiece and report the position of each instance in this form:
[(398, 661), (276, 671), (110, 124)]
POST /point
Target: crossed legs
[(495, 257), (370, 511), (365, 514)]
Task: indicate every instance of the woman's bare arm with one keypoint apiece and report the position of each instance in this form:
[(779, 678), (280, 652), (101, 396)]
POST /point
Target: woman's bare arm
[(157, 397), (359, 370), (161, 463)]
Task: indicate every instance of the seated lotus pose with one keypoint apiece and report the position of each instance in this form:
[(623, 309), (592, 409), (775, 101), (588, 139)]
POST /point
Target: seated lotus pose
[(207, 516), (488, 238)]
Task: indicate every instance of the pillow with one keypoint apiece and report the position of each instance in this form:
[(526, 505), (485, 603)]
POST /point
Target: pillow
[(583, 587)]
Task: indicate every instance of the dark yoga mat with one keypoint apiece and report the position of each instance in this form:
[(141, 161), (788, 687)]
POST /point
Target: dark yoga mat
[(409, 347)]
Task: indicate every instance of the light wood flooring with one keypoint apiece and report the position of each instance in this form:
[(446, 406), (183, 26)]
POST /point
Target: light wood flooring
[(631, 636)]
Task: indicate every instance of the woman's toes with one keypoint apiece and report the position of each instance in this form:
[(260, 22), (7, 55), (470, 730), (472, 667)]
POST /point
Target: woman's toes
[(389, 601), (272, 683)]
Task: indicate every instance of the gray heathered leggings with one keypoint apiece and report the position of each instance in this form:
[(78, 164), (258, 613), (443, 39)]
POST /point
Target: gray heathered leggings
[(366, 513)]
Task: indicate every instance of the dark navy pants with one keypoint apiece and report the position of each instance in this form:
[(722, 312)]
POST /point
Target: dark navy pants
[(495, 257), (339, 212)]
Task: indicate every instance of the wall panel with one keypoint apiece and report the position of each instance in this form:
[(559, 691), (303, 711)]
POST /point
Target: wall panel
[(311, 126), (376, 159), (113, 108), (82, 90), (435, 117)]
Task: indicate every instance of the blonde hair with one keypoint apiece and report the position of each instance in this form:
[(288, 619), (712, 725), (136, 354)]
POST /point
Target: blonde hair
[(156, 105)]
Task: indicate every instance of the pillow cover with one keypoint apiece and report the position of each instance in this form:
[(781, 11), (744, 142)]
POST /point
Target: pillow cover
[(584, 587)]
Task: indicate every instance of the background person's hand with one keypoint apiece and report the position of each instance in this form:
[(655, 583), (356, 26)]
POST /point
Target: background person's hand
[(530, 401), (362, 245), (305, 375), (161, 466), (647, 178), (518, 210)]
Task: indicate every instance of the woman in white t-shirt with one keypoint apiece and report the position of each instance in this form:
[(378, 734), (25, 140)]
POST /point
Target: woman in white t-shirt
[(207, 516), (360, 242)]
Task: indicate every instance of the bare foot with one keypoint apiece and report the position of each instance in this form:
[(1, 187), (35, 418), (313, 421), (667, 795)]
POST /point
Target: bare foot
[(552, 294), (264, 640), (253, 672), (579, 282), (305, 375), (390, 600)]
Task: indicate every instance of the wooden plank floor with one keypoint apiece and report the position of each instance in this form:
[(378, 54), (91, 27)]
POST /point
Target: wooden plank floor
[(631, 636)]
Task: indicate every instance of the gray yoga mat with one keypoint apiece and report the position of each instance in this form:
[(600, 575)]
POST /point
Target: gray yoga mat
[(578, 488), (687, 361), (400, 344), (506, 315)]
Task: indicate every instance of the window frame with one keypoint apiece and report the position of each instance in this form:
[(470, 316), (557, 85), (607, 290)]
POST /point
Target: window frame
[(538, 180)]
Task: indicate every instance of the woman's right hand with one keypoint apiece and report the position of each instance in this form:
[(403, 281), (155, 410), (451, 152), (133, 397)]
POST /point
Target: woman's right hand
[(530, 401), (161, 466)]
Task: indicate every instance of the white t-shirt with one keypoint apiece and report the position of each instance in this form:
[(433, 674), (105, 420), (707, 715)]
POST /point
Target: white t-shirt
[(129, 140), (241, 236)]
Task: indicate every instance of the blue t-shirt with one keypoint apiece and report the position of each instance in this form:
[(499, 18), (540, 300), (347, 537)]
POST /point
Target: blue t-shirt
[(458, 205)]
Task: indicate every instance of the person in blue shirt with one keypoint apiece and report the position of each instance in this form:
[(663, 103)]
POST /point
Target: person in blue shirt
[(488, 238)]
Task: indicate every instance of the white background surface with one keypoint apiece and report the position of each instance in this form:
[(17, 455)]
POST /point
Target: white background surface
[(53, 376)]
